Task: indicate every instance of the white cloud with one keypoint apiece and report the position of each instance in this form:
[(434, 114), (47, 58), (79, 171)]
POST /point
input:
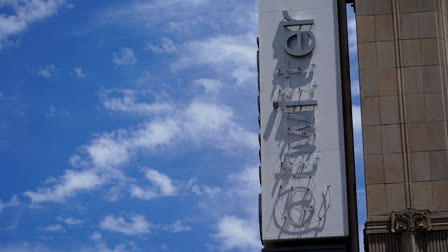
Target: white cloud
[(23, 14), (242, 193), (13, 202), (111, 150), (96, 236), (247, 182), (46, 71), (25, 247), (79, 72), (209, 85), (205, 190), (214, 123), (355, 87), (357, 132), (106, 154), (108, 150), (235, 233), (200, 122), (177, 227), (77, 161), (53, 228), (69, 184), (153, 134), (166, 46), (136, 226), (99, 246), (125, 56), (224, 54), (157, 16), (173, 2), (238, 49), (162, 185), (145, 194), (207, 117), (356, 116), (163, 182), (70, 221), (126, 101), (351, 24), (166, 4)]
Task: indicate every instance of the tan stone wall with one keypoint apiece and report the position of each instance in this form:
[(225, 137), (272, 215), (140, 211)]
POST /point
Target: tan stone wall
[(402, 48)]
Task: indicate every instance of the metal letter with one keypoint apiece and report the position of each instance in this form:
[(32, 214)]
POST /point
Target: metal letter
[(303, 37)]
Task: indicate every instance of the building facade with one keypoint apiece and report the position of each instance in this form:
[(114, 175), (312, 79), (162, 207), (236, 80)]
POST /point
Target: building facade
[(402, 52)]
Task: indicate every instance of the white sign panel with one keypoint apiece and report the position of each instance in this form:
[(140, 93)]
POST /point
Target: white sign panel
[(302, 137)]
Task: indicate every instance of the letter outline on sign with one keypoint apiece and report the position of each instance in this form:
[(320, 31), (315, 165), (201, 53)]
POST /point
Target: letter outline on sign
[(301, 35)]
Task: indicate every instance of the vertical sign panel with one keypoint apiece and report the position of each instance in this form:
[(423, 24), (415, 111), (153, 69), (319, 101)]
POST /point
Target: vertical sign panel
[(302, 137)]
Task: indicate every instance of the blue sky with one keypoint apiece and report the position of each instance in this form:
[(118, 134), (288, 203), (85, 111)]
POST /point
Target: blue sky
[(132, 125)]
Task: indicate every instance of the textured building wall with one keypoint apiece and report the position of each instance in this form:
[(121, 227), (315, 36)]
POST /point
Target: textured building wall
[(402, 56), (402, 67)]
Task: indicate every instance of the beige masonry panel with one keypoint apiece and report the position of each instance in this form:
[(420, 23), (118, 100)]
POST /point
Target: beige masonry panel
[(402, 47)]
